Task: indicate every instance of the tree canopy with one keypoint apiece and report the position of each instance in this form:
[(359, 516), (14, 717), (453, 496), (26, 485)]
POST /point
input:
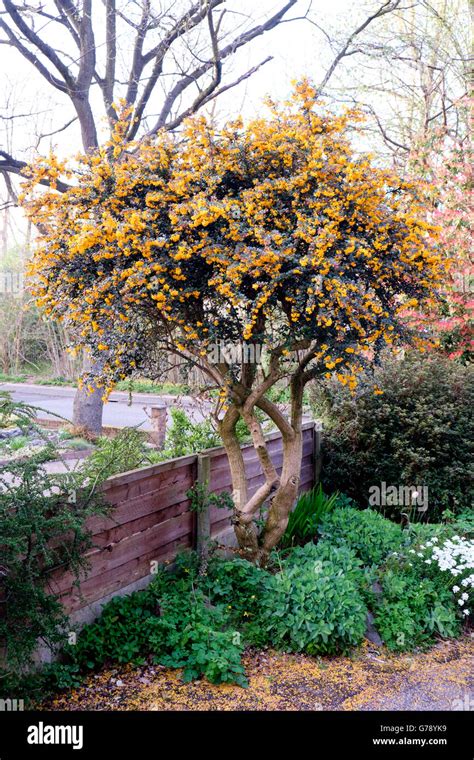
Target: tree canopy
[(275, 233)]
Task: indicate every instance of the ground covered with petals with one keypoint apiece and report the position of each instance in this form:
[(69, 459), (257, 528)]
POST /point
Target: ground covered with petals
[(370, 679)]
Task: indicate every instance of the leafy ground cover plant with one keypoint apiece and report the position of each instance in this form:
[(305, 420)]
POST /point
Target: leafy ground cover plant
[(412, 610), (175, 623), (314, 600), (371, 536), (314, 608)]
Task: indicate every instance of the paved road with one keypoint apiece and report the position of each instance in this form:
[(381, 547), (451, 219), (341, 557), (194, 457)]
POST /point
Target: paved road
[(117, 411)]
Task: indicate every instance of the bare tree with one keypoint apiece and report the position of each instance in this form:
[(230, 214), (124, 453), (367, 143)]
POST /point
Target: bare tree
[(164, 59), (409, 72)]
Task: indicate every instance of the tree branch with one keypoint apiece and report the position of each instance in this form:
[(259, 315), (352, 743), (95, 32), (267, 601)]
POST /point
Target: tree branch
[(199, 71), (387, 7), (14, 166), (39, 43)]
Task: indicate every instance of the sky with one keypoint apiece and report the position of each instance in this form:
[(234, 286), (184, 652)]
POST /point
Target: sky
[(299, 48)]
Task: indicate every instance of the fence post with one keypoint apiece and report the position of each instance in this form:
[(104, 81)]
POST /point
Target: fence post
[(317, 458), (158, 417), (203, 518)]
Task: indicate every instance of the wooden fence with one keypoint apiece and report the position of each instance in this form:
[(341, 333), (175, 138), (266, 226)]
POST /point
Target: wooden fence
[(151, 518)]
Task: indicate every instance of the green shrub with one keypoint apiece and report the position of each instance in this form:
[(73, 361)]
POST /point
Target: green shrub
[(238, 584), (371, 536), (187, 437), (34, 686), (194, 635), (419, 431), (305, 518), (313, 609), (172, 620), (412, 610), (120, 634), (42, 526), (463, 525), (123, 452)]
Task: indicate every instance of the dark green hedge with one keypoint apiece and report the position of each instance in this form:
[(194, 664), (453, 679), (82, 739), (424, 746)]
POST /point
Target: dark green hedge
[(419, 431)]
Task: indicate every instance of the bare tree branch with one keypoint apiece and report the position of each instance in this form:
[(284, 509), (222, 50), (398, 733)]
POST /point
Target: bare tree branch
[(43, 47), (386, 7), (199, 71)]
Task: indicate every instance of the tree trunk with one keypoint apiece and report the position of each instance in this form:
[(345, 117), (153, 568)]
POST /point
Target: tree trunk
[(285, 497), (257, 548), (244, 528), (88, 405)]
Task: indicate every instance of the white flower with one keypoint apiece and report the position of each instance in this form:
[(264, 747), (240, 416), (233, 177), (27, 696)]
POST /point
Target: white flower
[(428, 561), (419, 554), (466, 612), (456, 589), (465, 597), (461, 602)]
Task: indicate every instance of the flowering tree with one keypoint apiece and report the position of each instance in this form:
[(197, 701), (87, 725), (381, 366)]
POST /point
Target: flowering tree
[(446, 165), (271, 235)]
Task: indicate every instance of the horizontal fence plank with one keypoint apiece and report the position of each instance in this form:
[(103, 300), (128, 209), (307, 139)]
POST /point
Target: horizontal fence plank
[(151, 519), (126, 478), (124, 530), (104, 559), (153, 502), (96, 587), (149, 482)]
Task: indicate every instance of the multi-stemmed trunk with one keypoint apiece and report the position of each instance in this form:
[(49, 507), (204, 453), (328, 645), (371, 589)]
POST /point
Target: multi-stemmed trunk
[(278, 492)]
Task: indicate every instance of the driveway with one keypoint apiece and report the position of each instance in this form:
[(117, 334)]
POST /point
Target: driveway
[(118, 412)]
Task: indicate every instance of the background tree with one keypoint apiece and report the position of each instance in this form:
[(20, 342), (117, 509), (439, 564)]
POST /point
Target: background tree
[(409, 71), (446, 165), (274, 235), (165, 60), (414, 79)]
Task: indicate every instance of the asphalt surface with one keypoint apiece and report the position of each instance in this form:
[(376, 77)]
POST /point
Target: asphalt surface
[(118, 412)]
